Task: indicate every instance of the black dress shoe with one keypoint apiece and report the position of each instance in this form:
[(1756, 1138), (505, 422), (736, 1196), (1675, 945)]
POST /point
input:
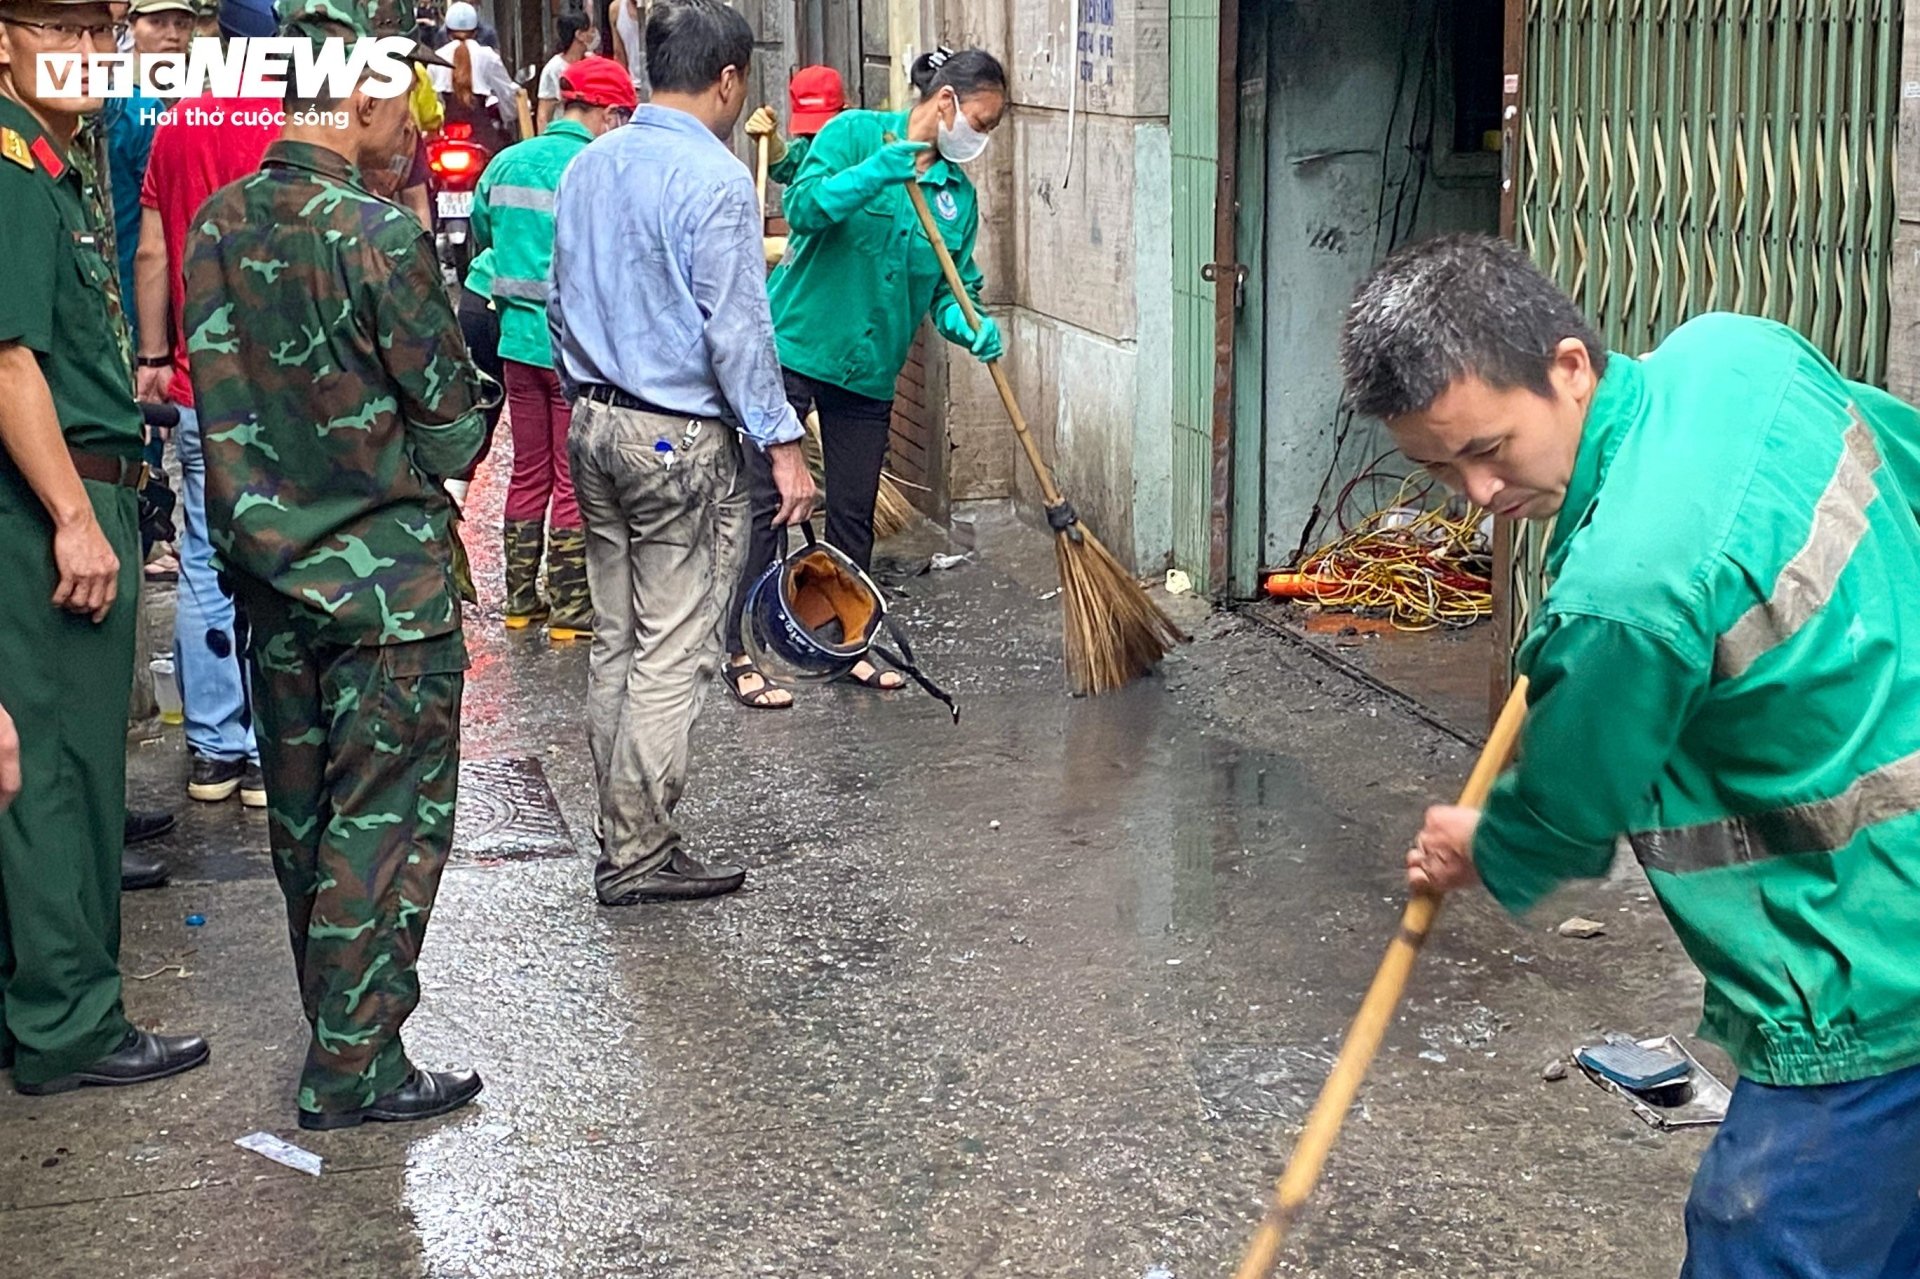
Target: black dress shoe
[(427, 1094), (144, 824), (141, 1058), (137, 872), (683, 878)]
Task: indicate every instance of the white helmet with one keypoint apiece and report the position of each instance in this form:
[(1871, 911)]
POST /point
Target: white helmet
[(462, 16)]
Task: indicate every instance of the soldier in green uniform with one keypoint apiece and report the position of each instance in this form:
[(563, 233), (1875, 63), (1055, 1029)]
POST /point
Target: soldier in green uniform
[(69, 463), (336, 395)]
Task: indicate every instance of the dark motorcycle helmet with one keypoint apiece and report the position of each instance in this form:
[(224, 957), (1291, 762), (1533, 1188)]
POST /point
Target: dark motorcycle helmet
[(814, 614)]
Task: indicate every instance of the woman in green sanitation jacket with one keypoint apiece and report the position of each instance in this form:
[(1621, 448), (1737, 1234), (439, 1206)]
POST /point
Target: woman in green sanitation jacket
[(858, 277)]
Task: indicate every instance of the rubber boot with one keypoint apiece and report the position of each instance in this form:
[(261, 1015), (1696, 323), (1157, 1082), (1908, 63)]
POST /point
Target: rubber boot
[(462, 570), (567, 585), (523, 540)]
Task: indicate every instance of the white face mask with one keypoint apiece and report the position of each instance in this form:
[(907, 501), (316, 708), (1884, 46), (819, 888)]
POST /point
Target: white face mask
[(960, 142)]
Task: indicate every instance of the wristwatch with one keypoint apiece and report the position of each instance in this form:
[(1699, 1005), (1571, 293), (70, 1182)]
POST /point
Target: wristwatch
[(154, 361)]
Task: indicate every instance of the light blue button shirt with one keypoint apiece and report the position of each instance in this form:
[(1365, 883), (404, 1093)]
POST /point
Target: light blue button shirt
[(659, 283)]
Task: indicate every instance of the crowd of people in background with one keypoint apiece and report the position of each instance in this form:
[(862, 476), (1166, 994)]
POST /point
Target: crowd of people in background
[(266, 299)]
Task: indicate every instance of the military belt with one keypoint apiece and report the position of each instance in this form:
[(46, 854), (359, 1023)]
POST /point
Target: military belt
[(103, 468)]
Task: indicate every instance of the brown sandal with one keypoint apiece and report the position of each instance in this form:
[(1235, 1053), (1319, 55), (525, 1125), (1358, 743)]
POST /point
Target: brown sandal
[(756, 700), (876, 681)]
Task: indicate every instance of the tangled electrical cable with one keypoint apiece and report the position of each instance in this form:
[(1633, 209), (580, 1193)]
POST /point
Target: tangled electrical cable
[(1422, 569)]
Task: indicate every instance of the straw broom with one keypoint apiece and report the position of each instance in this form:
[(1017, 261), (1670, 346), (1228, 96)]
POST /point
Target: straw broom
[(1370, 1023), (1115, 633), (892, 512)]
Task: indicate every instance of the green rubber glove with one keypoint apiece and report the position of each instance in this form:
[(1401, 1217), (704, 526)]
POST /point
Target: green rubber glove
[(951, 323)]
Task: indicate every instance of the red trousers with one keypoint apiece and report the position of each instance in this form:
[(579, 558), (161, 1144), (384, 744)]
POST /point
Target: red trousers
[(538, 414)]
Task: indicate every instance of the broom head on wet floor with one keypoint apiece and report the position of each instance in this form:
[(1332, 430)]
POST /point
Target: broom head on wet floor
[(1115, 633)]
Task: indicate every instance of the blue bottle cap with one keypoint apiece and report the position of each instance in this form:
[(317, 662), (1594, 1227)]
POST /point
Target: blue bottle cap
[(662, 446), (195, 921)]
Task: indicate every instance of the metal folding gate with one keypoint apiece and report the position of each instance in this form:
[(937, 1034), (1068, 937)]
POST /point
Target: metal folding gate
[(1682, 156)]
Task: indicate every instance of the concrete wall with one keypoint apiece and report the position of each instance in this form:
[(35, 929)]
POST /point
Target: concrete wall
[(1077, 249), (1328, 122)]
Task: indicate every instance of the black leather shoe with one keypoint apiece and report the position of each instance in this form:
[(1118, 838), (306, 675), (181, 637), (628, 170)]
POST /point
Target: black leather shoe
[(141, 1058), (144, 824), (212, 780), (683, 878), (137, 872), (427, 1094)]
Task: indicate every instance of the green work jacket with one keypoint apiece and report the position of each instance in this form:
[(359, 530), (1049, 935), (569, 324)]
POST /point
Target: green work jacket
[(513, 216), (859, 277), (1726, 669)]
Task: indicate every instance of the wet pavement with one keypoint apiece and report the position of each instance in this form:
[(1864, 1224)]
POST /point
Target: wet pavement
[(1043, 994)]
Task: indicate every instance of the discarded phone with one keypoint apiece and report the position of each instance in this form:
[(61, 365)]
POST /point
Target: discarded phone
[(1635, 1067)]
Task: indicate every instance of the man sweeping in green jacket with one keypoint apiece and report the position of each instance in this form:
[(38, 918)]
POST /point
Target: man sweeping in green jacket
[(1726, 670), (513, 217)]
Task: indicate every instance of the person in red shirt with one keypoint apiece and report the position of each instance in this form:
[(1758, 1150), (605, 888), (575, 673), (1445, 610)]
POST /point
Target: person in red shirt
[(190, 160)]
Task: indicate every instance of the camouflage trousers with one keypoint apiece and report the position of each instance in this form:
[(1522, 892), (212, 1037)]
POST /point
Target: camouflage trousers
[(361, 750)]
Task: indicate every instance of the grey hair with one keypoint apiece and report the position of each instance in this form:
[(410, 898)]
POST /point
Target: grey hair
[(1451, 307)]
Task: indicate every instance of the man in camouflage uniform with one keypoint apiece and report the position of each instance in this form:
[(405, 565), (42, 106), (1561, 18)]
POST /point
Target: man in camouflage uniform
[(335, 395), (69, 462)]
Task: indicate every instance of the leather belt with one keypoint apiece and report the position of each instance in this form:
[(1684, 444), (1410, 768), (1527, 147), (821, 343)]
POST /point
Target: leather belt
[(103, 468), (619, 399)]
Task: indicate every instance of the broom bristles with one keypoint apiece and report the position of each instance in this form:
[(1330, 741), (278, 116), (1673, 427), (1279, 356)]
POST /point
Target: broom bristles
[(1115, 633)]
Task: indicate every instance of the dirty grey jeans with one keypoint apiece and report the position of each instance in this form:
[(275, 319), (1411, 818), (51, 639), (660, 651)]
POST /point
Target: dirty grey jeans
[(666, 532)]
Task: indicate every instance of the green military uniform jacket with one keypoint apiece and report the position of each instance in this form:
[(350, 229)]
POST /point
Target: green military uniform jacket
[(513, 216), (1727, 669), (859, 274), (334, 394), (63, 305)]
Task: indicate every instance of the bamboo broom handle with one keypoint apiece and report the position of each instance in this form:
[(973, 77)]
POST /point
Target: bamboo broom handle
[(760, 178), (1370, 1023), (1048, 492)]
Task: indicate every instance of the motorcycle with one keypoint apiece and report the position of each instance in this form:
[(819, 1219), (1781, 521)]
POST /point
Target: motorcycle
[(456, 161)]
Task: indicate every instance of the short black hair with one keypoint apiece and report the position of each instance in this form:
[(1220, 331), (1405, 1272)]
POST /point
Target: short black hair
[(567, 28), (690, 42), (1450, 307), (966, 72)]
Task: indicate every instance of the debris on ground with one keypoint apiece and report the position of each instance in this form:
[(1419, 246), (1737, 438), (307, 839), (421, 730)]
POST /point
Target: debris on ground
[(1692, 1099), (941, 563), (1581, 927), (281, 1152), (1555, 1070), (1178, 583)]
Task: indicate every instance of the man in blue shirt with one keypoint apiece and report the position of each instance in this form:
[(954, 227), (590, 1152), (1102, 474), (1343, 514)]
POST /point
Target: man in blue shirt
[(157, 26), (663, 338)]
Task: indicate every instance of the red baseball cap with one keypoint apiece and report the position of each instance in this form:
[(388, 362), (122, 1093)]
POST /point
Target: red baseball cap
[(814, 97), (598, 82)]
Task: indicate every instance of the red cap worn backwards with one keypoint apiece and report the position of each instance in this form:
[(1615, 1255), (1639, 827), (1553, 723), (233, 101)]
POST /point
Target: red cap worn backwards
[(814, 96), (598, 82)]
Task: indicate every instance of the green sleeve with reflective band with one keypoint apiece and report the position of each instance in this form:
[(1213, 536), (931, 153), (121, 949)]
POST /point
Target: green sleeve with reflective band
[(1606, 707), (1896, 429), (426, 357), (30, 225), (787, 168)]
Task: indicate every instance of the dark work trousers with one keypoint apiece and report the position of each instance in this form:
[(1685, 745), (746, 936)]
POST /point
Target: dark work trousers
[(480, 326), (853, 446)]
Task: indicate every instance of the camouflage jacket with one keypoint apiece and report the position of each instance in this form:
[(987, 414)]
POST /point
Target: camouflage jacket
[(334, 392)]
